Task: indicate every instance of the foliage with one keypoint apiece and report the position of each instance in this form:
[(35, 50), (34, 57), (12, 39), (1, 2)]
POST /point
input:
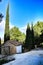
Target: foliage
[(32, 35), (7, 34), (29, 41), (0, 45), (28, 38), (0, 41), (3, 61), (41, 38), (15, 34), (38, 27)]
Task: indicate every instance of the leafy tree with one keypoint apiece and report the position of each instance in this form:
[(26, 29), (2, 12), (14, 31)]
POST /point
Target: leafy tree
[(37, 28), (41, 37), (7, 34), (15, 34), (40, 40)]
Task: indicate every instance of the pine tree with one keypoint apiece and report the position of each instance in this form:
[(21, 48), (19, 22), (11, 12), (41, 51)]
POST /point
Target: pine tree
[(7, 34)]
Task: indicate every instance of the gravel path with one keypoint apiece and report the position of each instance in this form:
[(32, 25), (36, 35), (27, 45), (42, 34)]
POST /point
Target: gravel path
[(30, 58)]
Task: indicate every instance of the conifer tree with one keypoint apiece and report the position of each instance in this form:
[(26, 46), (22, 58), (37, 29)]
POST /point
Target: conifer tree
[(32, 36), (28, 38), (41, 37), (7, 34)]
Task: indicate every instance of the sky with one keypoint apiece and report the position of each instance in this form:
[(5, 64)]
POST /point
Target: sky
[(21, 13)]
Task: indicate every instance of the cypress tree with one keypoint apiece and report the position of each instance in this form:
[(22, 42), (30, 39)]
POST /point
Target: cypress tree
[(7, 34), (41, 37), (32, 36), (28, 38)]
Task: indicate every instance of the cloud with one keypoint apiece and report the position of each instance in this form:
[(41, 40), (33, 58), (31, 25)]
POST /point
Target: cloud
[(11, 25), (23, 29), (2, 28)]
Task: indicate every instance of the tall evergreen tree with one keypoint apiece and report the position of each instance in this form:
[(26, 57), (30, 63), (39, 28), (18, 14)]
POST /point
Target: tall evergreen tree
[(41, 37), (28, 38), (32, 35), (7, 34), (29, 41)]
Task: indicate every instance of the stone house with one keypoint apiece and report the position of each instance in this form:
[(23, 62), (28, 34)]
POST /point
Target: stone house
[(11, 47)]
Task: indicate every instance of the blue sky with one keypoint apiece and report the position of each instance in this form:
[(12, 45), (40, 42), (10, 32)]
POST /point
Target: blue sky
[(22, 12)]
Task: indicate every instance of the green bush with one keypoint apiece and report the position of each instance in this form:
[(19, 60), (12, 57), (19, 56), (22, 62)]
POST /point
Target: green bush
[(3, 61)]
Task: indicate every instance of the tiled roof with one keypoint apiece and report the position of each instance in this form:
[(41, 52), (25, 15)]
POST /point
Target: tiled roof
[(14, 42)]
